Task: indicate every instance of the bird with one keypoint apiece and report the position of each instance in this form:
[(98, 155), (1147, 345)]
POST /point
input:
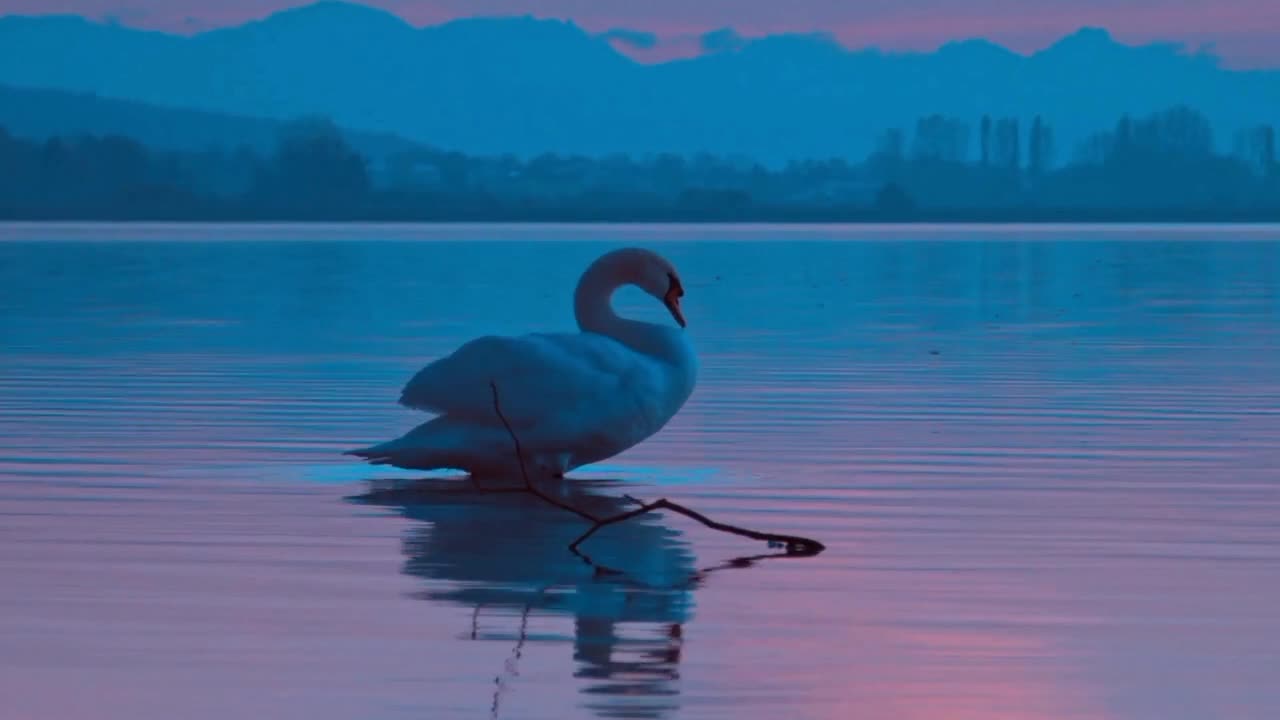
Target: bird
[(571, 399)]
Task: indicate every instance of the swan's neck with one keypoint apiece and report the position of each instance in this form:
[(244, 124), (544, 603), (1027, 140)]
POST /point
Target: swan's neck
[(593, 308)]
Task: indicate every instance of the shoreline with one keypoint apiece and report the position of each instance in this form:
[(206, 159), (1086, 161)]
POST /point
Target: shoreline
[(286, 231), (570, 215)]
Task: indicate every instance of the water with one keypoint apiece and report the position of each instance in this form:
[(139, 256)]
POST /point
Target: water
[(1043, 462)]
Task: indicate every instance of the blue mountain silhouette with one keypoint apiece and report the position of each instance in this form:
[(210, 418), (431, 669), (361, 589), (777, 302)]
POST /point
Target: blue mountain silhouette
[(523, 85)]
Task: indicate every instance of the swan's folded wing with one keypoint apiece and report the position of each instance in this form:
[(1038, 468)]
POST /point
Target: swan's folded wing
[(537, 376)]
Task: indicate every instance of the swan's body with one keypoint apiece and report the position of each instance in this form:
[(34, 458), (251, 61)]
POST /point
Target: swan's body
[(571, 398)]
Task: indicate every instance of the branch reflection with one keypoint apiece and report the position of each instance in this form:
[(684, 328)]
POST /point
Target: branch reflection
[(505, 556)]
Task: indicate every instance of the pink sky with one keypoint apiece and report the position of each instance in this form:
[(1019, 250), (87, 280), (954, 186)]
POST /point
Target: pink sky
[(1245, 33)]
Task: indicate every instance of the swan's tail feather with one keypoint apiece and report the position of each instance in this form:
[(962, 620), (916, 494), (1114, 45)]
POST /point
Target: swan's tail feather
[(367, 452), (417, 450), (383, 454), (442, 444)]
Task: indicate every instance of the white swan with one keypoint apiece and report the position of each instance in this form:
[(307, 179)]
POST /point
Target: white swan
[(571, 398)]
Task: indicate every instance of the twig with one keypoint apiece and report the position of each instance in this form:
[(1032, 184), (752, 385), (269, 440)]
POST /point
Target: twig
[(511, 666), (795, 545)]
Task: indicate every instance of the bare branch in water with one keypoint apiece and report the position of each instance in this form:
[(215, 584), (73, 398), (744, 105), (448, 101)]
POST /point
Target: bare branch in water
[(795, 546)]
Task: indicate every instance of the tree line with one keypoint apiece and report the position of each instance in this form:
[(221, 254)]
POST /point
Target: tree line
[(1161, 166)]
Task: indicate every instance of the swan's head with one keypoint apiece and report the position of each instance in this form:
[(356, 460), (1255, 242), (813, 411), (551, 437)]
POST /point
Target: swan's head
[(658, 277), (645, 269)]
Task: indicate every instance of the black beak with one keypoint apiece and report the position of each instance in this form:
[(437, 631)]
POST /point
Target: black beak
[(673, 304), (672, 298)]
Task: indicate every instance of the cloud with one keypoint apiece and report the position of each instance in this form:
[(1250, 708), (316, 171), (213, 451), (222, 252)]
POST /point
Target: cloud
[(635, 39), (722, 40)]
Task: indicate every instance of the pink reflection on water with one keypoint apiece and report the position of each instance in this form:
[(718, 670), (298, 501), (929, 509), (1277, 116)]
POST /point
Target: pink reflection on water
[(201, 601)]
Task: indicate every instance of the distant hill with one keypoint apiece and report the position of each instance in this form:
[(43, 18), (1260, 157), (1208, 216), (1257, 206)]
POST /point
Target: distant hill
[(40, 113), (529, 86)]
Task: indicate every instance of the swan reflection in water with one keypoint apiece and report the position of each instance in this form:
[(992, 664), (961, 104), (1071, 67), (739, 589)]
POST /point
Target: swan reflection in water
[(505, 555)]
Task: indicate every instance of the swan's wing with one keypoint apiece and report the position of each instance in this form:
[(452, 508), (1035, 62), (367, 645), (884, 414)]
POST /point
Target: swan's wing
[(539, 377)]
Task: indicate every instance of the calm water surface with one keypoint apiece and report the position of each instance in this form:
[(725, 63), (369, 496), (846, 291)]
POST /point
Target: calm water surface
[(1046, 464)]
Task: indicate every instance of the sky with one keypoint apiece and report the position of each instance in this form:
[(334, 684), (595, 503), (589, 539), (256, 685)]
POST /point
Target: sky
[(1244, 33)]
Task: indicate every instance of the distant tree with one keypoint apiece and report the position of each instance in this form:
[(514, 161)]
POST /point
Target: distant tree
[(116, 160), (1179, 134), (892, 144), (546, 174), (1269, 148), (1180, 131), (1163, 160), (668, 173), (893, 200), (1093, 150), (986, 140), (453, 170), (890, 154), (414, 169), (1040, 147), (54, 155), (314, 170), (1122, 141), (1256, 148), (940, 138), (715, 202), (1007, 154)]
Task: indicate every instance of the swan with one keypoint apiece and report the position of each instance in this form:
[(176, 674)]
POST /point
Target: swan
[(571, 398)]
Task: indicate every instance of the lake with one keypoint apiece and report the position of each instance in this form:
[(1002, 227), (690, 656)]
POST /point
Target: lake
[(1045, 463)]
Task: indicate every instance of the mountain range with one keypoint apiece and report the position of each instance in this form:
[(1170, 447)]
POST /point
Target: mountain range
[(526, 86)]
